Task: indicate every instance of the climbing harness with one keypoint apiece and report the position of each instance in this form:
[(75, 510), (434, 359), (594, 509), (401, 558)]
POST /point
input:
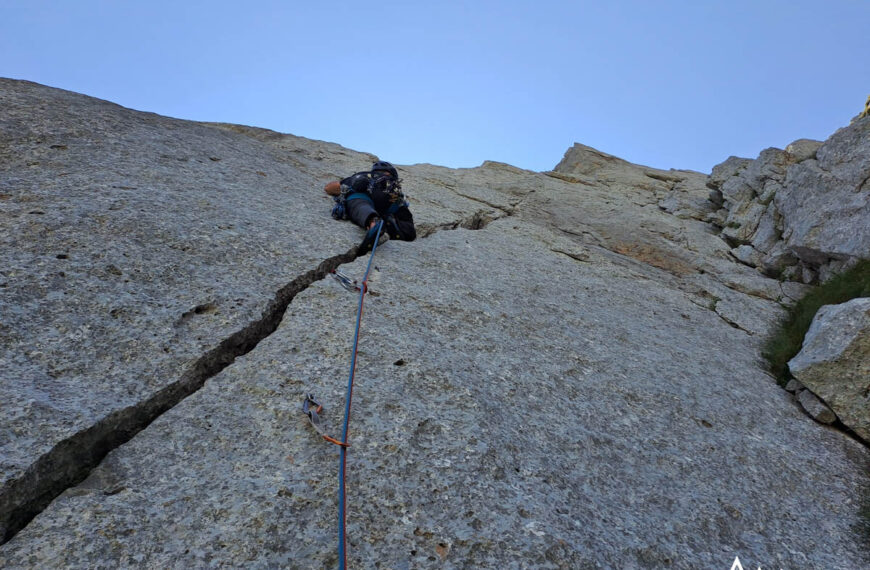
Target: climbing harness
[(311, 407)]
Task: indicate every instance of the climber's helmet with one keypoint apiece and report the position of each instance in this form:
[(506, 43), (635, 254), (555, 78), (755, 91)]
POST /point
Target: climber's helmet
[(380, 168)]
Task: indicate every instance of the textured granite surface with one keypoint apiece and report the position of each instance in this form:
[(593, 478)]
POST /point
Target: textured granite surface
[(563, 373)]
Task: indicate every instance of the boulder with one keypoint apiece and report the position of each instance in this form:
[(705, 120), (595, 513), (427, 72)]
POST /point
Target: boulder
[(724, 171), (825, 206), (803, 149), (834, 362), (810, 202), (816, 408)]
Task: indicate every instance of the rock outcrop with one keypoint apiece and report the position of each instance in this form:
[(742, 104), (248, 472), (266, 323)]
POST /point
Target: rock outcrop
[(834, 362), (562, 372), (802, 213)]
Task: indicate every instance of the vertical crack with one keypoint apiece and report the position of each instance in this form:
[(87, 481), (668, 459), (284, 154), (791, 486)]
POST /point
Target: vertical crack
[(70, 461)]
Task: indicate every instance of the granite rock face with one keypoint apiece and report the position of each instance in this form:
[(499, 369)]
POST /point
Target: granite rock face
[(133, 246), (562, 372), (802, 213), (834, 362)]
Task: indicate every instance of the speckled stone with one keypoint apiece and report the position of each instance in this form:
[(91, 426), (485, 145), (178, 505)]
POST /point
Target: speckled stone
[(806, 210), (834, 361), (560, 374), (513, 407)]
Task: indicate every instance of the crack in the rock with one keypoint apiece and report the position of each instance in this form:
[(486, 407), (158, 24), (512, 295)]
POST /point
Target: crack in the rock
[(666, 178), (570, 179), (736, 288), (582, 257), (732, 323), (786, 295), (70, 461), (740, 261), (585, 237), (710, 303), (476, 221), (507, 211)]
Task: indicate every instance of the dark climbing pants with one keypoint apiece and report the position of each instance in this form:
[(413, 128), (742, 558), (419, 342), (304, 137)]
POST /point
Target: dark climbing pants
[(359, 210), (399, 225)]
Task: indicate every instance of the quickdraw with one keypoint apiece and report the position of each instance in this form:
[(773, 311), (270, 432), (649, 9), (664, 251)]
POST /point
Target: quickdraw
[(345, 281), (312, 408)]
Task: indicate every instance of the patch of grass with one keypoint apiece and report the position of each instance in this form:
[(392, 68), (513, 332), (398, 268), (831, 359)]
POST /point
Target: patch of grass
[(714, 300), (786, 341)]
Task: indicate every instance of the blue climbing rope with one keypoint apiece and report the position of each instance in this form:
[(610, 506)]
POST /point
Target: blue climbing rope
[(342, 552)]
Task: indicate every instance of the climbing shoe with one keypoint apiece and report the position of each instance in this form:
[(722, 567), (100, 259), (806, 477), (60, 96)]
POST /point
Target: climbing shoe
[(369, 240)]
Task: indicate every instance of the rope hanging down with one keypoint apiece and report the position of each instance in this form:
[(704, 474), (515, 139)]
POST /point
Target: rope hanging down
[(312, 407)]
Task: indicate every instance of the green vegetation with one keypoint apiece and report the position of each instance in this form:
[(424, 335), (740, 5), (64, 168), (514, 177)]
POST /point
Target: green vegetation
[(786, 341), (714, 300)]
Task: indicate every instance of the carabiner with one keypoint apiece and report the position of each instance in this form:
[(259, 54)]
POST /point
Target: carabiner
[(345, 281)]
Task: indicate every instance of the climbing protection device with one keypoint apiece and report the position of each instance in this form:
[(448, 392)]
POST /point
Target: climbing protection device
[(311, 407), (344, 280)]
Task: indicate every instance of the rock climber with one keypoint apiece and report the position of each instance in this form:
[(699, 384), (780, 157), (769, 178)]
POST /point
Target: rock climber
[(366, 198)]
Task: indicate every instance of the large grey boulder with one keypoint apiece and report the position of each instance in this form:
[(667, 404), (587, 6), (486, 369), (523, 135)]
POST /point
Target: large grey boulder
[(834, 361), (826, 208), (802, 213), (562, 372)]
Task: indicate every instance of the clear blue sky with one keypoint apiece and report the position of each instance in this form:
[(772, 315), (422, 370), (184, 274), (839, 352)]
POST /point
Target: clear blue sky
[(671, 84)]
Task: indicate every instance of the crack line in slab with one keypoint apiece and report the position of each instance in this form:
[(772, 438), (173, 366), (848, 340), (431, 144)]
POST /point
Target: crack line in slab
[(70, 461), (732, 323), (508, 211), (582, 257)]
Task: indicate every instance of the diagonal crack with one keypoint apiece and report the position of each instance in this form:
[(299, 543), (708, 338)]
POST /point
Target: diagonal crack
[(70, 461), (508, 211), (733, 323), (582, 257)]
